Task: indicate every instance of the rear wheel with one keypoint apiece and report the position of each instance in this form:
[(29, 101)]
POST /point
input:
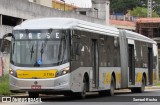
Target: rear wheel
[(140, 89), (111, 91), (33, 95), (112, 87)]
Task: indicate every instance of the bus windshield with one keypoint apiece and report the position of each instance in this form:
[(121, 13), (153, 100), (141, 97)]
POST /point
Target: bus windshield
[(39, 48)]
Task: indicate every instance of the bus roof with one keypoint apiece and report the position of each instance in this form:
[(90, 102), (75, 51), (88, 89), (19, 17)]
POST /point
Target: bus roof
[(67, 23), (71, 23), (137, 36)]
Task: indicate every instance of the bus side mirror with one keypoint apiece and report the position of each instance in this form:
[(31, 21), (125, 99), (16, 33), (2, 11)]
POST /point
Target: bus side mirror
[(78, 49), (5, 36)]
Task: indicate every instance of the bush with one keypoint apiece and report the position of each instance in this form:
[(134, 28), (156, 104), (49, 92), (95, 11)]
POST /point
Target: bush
[(4, 85)]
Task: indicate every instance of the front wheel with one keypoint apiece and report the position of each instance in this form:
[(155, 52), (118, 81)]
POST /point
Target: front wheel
[(82, 94)]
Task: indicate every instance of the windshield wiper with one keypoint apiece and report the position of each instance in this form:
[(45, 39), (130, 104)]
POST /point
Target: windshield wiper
[(42, 51), (32, 51)]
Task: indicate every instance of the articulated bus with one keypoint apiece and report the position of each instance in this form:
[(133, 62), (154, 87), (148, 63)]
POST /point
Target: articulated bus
[(71, 57)]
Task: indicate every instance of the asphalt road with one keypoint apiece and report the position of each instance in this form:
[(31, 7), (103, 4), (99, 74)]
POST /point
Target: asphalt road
[(120, 98)]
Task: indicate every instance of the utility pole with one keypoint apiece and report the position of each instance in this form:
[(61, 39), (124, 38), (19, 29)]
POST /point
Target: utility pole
[(149, 8)]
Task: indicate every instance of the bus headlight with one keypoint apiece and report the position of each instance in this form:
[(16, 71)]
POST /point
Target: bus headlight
[(12, 72), (63, 71)]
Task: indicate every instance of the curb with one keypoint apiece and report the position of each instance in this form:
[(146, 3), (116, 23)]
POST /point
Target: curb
[(153, 87)]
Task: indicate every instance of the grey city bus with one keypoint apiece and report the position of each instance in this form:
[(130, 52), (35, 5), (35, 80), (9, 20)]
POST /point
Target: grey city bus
[(71, 57)]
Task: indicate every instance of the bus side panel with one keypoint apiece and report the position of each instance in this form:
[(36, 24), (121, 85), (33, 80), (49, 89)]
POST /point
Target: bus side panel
[(140, 62), (81, 64), (109, 61)]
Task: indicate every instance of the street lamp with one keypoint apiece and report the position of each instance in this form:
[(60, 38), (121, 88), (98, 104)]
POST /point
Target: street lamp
[(97, 11), (64, 3)]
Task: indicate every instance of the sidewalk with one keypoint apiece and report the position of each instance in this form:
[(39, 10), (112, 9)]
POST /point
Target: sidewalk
[(153, 87)]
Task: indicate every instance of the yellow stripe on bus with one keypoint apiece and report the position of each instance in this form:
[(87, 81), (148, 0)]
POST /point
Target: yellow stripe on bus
[(107, 78), (118, 77), (31, 74), (139, 77)]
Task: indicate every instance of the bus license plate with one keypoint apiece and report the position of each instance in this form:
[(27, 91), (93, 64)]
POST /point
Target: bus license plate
[(35, 86)]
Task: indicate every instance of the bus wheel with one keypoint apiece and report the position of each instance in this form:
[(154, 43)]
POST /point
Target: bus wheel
[(103, 92), (33, 95), (142, 88), (112, 87), (82, 94), (139, 89), (109, 92)]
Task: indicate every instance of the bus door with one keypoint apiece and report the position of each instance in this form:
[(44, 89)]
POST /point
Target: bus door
[(95, 63), (150, 66), (131, 64)]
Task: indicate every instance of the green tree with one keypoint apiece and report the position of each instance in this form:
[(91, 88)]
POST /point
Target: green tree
[(141, 12), (156, 7), (122, 6)]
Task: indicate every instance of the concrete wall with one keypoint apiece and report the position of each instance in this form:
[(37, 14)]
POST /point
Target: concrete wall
[(4, 29), (102, 7)]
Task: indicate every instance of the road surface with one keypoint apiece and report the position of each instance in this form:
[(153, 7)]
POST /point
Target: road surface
[(95, 99)]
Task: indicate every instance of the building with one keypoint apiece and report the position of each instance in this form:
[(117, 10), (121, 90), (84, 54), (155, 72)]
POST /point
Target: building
[(47, 3), (120, 24), (99, 10), (149, 27), (60, 5)]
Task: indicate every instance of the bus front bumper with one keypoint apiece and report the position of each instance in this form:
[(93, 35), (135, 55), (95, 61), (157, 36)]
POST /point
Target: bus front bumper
[(61, 83)]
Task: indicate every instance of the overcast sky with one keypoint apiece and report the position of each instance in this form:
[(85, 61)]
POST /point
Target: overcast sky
[(81, 3)]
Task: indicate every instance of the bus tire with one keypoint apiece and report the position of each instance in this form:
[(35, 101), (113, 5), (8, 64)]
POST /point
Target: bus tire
[(82, 94), (103, 93), (111, 91), (112, 87), (142, 88), (33, 95), (139, 89)]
